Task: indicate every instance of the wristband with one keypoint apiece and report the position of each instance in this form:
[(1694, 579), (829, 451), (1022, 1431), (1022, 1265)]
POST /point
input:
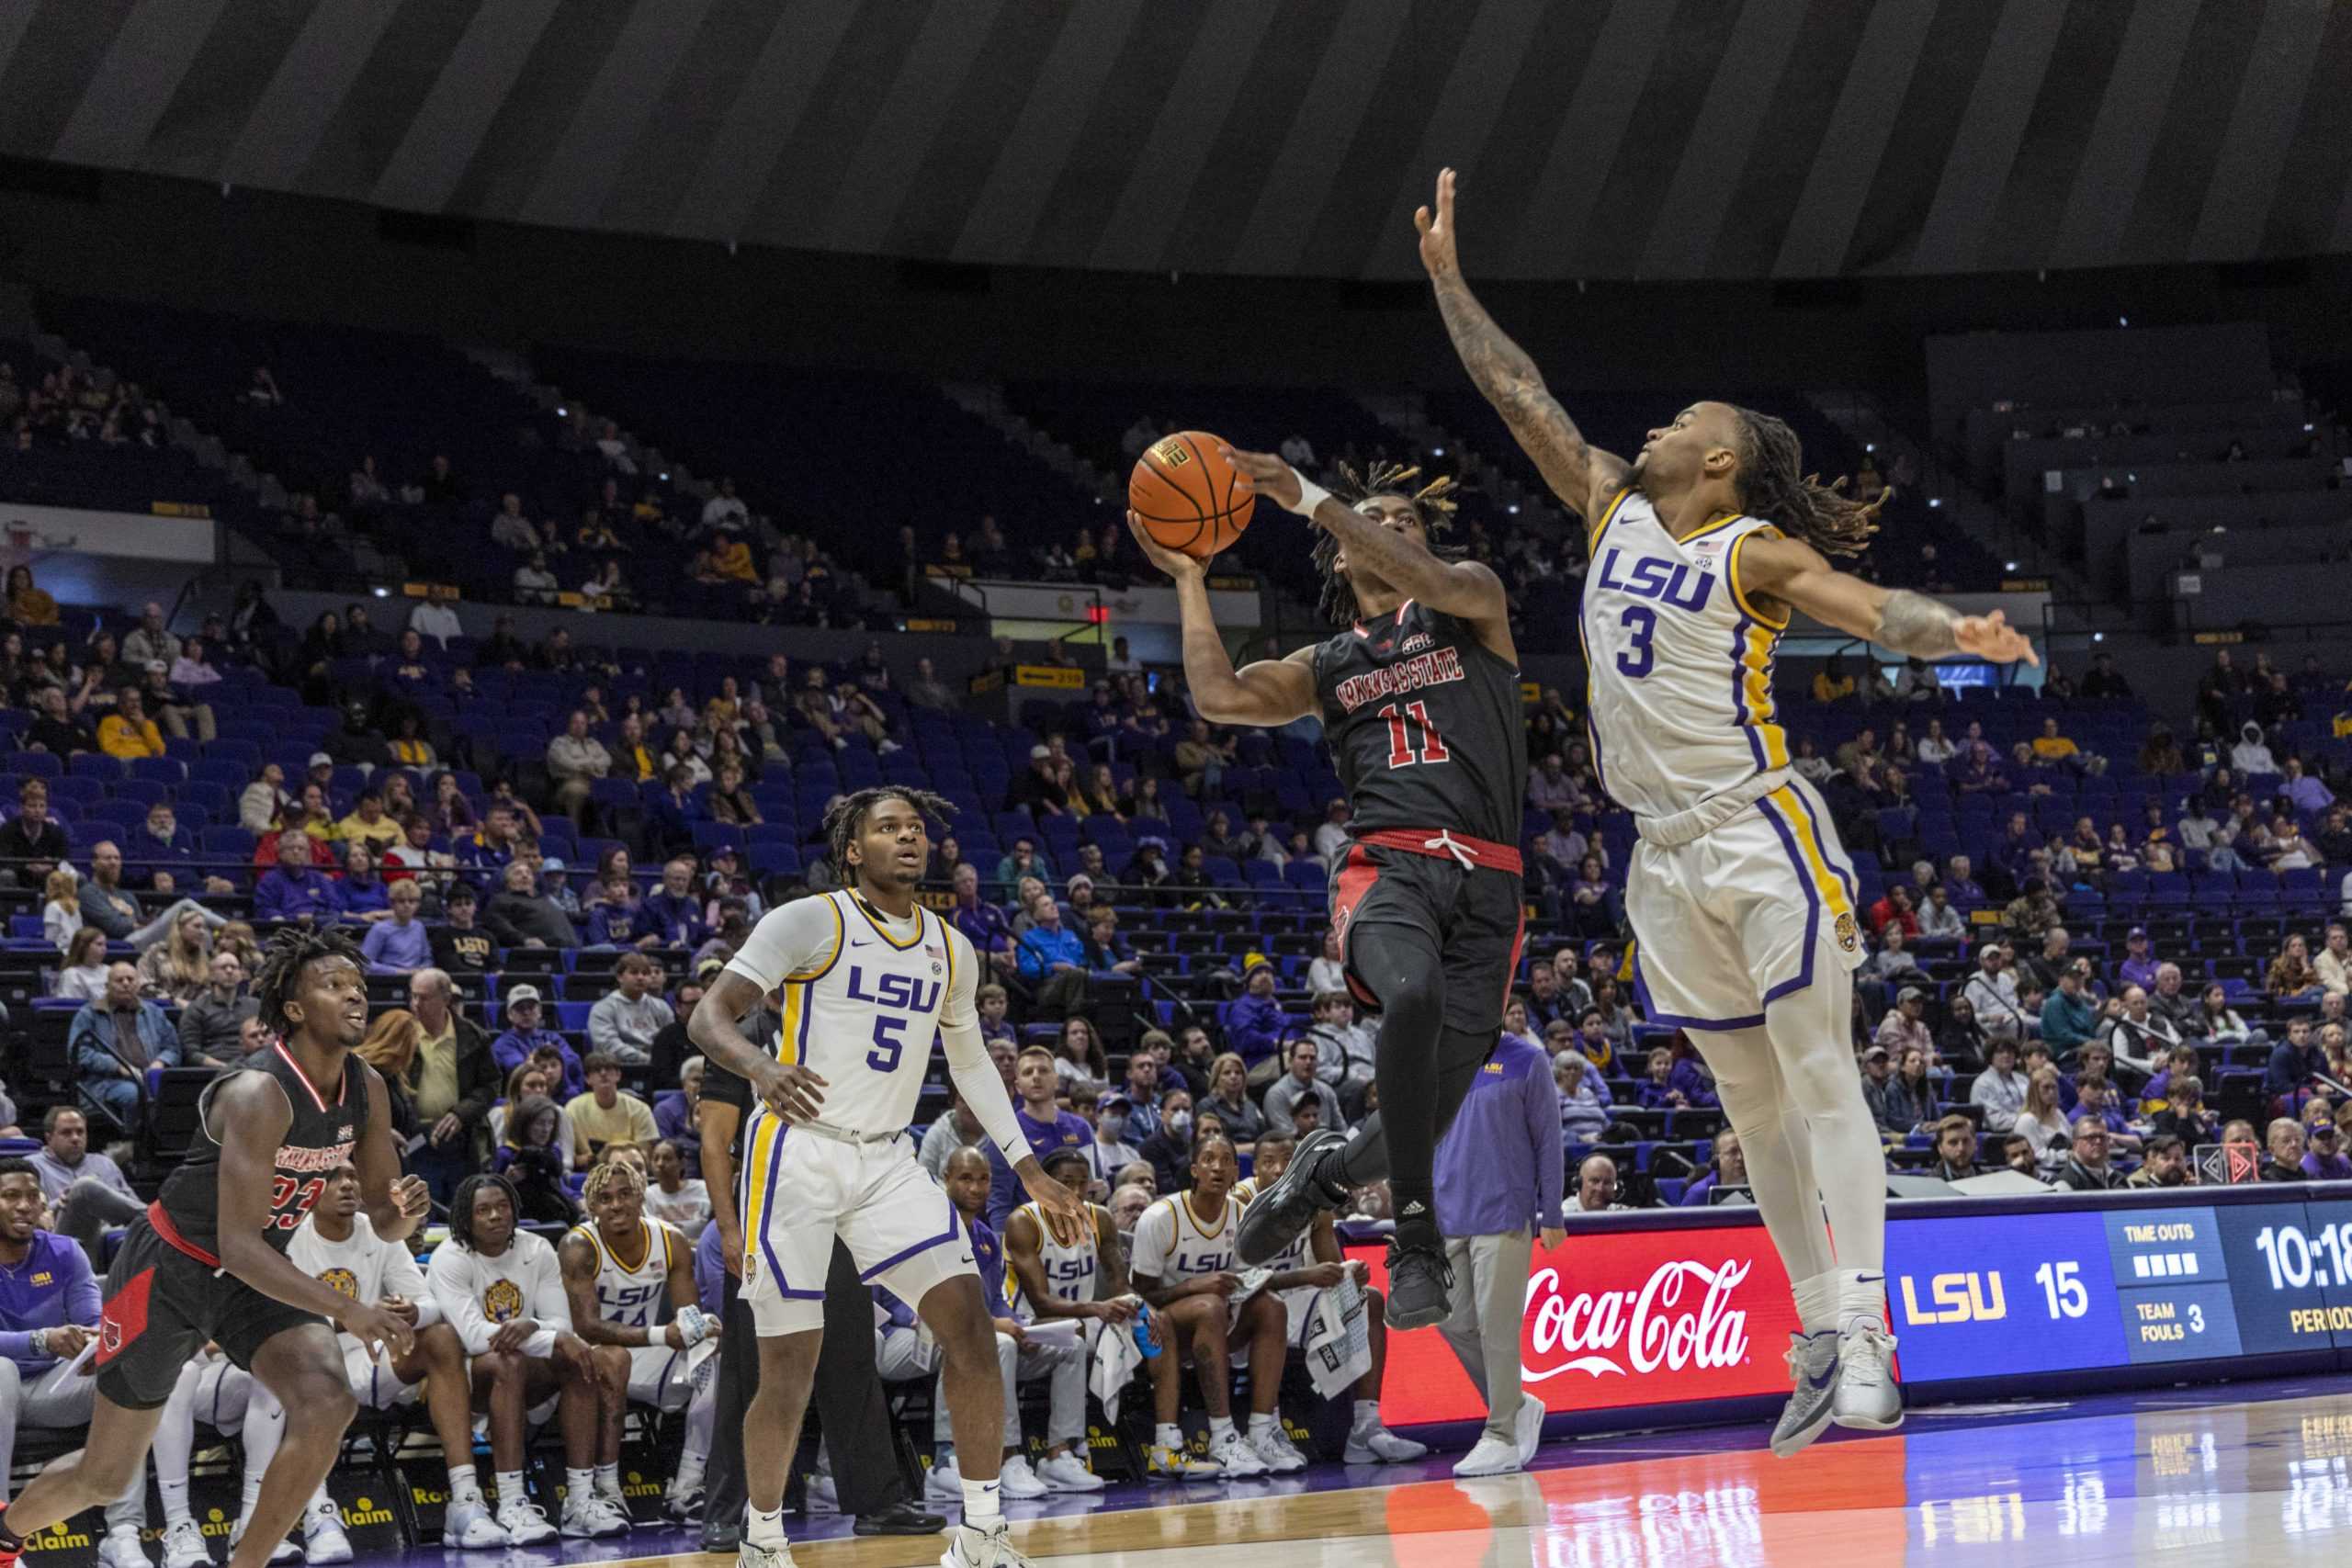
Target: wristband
[(1310, 495)]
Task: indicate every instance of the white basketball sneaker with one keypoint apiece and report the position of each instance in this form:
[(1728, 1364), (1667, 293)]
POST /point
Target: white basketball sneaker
[(122, 1548), (590, 1516), (1274, 1447), (524, 1522), (945, 1481), (1016, 1479), (1868, 1396), (750, 1556), (1491, 1456), (990, 1548), (323, 1538), (1236, 1458), (1068, 1473), (1376, 1444), (184, 1547), (468, 1526)]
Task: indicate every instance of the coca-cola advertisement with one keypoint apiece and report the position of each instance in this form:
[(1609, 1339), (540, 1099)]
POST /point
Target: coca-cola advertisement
[(1619, 1318)]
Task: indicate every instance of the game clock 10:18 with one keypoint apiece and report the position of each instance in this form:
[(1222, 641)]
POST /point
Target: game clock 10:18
[(2290, 1270)]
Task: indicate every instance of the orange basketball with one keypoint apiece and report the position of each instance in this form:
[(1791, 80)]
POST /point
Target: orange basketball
[(1189, 497)]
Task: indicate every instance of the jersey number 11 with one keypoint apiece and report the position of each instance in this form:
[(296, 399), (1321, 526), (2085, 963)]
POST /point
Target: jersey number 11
[(1400, 740)]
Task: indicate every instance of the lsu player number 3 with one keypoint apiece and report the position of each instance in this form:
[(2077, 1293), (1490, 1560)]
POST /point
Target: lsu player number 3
[(1742, 902), (865, 980)]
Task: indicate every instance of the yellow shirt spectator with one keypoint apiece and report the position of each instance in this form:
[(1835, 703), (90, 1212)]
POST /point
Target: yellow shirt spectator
[(2050, 746), (733, 558), (380, 835), (130, 734), (1827, 689)]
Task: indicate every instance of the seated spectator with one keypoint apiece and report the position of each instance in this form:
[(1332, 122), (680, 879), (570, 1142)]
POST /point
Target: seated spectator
[(362, 891), (605, 1113), (32, 843), (291, 890), (1584, 1098), (2286, 1147), (2141, 1035), (1301, 1083), (521, 915), (624, 1022), (2290, 977), (1229, 1099), (1955, 1150), (399, 945), (82, 976), (674, 1114), (1904, 1027), (114, 1040), (2327, 1160), (128, 732), (1052, 958), (178, 968), (2250, 756), (1596, 1189), (2000, 1088), (671, 915), (2294, 1066), (2164, 1165), (2068, 1017), (2086, 1169), (527, 1037), (2041, 1119), (1729, 1169), (114, 909)]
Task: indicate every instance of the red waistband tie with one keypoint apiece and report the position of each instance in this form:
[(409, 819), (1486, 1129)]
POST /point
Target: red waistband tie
[(1445, 844)]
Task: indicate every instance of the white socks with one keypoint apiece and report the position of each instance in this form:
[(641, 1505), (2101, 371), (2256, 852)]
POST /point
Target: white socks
[(1168, 1436), (608, 1479), (1260, 1425), (174, 1502), (1367, 1415), (766, 1529), (463, 1487), (981, 1505), (1220, 1429), (1818, 1302), (1861, 1299), (577, 1485), (510, 1487)]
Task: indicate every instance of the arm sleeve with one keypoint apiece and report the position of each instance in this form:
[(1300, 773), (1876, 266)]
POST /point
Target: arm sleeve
[(449, 1281), (798, 936), (1544, 1127), (403, 1277), (968, 1066)]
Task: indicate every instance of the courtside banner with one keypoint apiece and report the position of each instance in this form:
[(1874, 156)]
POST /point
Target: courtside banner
[(1625, 1318)]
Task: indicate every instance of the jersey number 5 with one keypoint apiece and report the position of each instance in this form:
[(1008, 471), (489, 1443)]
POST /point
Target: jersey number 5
[(1640, 622), (1400, 738), (888, 1046)]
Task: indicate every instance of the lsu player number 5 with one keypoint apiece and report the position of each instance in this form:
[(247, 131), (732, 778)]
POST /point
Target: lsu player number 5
[(1703, 549), (867, 980)]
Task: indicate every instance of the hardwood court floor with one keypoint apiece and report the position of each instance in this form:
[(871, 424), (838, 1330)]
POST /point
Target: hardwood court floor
[(2194, 1477)]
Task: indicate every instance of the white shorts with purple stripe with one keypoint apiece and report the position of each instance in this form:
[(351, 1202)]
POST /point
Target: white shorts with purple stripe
[(801, 1188)]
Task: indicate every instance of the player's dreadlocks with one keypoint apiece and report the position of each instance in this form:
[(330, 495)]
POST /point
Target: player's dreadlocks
[(1774, 485), (845, 819), (289, 952), (1433, 502), (461, 1204), (605, 1175)]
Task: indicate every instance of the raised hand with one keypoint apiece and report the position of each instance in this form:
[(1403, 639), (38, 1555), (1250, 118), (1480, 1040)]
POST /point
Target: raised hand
[(1437, 232), (1175, 563)]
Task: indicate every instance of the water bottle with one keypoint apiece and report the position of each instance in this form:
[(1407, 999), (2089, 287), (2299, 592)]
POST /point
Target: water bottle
[(1141, 1329)]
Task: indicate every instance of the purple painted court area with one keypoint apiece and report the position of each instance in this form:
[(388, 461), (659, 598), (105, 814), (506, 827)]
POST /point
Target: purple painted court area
[(1954, 1445)]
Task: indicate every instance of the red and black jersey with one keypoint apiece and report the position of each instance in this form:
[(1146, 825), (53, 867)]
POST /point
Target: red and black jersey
[(1425, 726), (324, 1132)]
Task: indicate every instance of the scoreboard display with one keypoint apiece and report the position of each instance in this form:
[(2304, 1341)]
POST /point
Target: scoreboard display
[(2118, 1287)]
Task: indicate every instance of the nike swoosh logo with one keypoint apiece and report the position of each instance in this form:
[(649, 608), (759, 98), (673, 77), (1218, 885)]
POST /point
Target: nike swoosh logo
[(854, 942), (1824, 1381), (967, 1258)]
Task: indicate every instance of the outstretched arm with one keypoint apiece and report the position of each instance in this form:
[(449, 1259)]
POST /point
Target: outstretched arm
[(1795, 573), (1268, 694), (1580, 474)]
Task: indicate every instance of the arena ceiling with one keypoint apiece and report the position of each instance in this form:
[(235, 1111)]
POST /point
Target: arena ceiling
[(1605, 139)]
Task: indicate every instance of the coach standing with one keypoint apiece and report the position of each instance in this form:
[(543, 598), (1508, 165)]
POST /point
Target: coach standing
[(848, 1395), (1498, 1180)]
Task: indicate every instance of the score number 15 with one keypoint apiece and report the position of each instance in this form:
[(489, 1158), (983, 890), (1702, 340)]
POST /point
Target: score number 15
[(2062, 1289)]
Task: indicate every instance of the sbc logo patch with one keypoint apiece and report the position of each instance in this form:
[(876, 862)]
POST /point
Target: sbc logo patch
[(1848, 937)]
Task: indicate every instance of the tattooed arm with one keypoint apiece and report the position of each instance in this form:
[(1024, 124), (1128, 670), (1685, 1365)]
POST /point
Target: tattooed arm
[(1793, 573), (1580, 474)]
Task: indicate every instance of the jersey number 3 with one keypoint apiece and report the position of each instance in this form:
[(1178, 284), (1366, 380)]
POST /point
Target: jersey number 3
[(1641, 625), (1400, 738)]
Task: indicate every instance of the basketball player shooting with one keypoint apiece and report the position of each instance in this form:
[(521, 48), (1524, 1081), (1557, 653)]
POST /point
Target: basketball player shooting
[(1419, 695), (207, 1262), (867, 980), (1741, 900)]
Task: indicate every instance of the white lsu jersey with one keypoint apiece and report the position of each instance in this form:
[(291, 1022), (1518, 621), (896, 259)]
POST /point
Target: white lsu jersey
[(1172, 1243), (861, 997), (632, 1296), (1681, 661), (1072, 1274)]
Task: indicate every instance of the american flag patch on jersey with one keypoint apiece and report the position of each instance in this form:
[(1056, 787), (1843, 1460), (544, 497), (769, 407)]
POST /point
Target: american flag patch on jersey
[(932, 950)]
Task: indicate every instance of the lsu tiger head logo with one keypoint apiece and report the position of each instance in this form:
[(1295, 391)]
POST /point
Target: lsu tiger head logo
[(1848, 937), (503, 1301), (341, 1280)]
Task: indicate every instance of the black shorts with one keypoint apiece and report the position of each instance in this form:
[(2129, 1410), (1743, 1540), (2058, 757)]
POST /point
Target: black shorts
[(162, 1306), (1475, 917)]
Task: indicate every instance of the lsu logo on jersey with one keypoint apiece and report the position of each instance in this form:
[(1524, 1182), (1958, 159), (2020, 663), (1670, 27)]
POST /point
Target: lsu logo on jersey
[(1652, 577), (342, 1281), (503, 1301), (1847, 937), (904, 993)]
